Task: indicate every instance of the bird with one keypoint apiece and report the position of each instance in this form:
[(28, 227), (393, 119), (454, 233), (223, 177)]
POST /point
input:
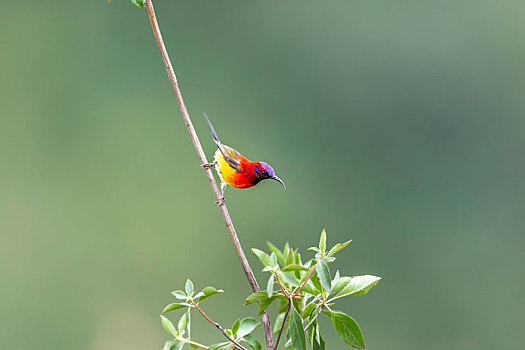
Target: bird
[(236, 170)]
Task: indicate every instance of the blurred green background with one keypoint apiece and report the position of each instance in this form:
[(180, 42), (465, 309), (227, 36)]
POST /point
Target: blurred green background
[(399, 124)]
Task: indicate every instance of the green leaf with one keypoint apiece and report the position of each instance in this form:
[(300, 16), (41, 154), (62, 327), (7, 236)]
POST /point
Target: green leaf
[(208, 292), (278, 253), (189, 287), (269, 286), (225, 345), (337, 248), (168, 326), (307, 312), (174, 306), (138, 3), (348, 329), (288, 278), (314, 336), (182, 323), (290, 257), (262, 256), (283, 304), (309, 289), (264, 303), (198, 296), (262, 298), (255, 297), (315, 281), (235, 328), (298, 259), (248, 324), (358, 285), (173, 345), (273, 259), (296, 331), (254, 343), (319, 345), (340, 284), (179, 294), (188, 327), (295, 267), (298, 262), (278, 323), (335, 280), (322, 243), (324, 276)]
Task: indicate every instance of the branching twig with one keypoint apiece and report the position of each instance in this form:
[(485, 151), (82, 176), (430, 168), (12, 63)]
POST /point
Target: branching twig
[(284, 322), (290, 298), (282, 287), (239, 346), (302, 285), (309, 324), (202, 157), (194, 343), (315, 317)]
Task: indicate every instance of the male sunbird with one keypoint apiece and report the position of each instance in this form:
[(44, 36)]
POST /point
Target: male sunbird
[(236, 170)]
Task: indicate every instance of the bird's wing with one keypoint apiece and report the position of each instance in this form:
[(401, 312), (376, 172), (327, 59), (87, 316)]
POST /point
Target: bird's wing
[(230, 156)]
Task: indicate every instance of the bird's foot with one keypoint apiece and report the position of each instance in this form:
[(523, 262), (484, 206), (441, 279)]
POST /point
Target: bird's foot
[(220, 201), (208, 165)]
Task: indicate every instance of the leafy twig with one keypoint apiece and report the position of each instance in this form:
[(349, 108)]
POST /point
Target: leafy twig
[(282, 287), (315, 317), (218, 327), (202, 157), (302, 285), (191, 342), (290, 298)]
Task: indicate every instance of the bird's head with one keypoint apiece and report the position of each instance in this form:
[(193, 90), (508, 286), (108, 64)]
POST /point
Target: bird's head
[(264, 171)]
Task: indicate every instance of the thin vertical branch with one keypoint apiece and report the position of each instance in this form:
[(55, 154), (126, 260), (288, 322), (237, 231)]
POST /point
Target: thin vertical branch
[(284, 322), (202, 157)]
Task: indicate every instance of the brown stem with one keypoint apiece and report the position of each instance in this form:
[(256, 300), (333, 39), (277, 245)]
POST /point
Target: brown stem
[(302, 285), (239, 346), (202, 157), (284, 322), (315, 317), (282, 287)]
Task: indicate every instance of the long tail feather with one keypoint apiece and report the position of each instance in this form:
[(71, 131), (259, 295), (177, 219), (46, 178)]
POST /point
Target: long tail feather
[(230, 158), (215, 137)]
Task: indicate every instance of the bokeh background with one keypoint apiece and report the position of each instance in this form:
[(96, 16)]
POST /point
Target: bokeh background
[(397, 124)]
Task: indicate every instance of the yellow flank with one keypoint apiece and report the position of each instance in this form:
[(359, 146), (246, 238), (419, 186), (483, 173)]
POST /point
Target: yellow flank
[(224, 170)]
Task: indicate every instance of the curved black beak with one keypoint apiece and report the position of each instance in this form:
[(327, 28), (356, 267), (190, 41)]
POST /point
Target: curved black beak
[(278, 180)]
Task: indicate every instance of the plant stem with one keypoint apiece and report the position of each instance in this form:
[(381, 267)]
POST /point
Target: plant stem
[(202, 157), (218, 327), (315, 317), (284, 322), (281, 286), (302, 285), (194, 343)]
